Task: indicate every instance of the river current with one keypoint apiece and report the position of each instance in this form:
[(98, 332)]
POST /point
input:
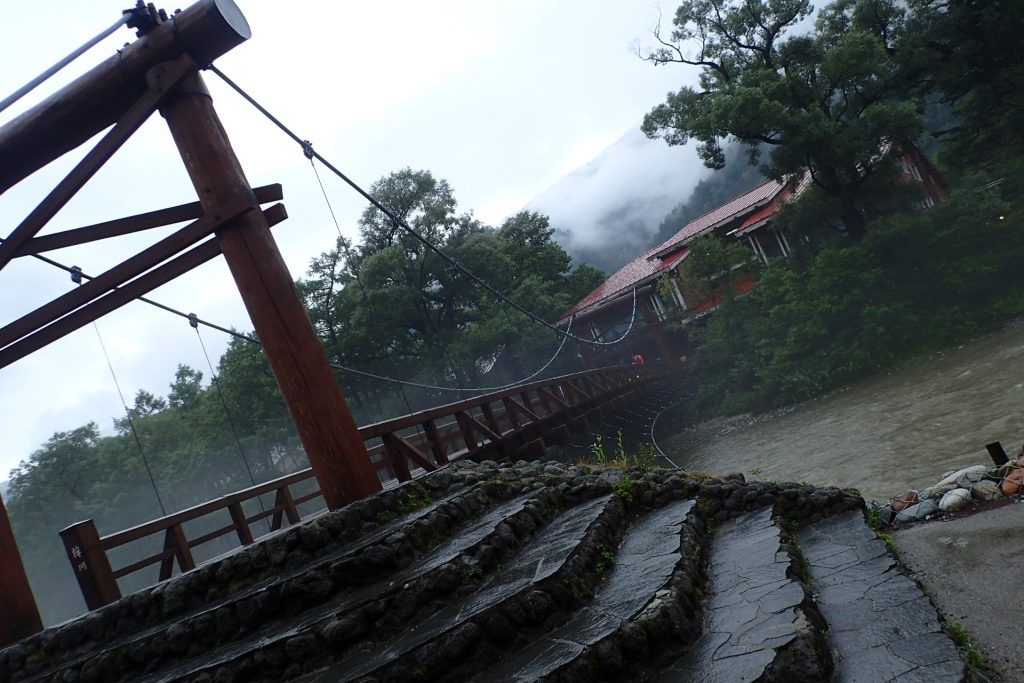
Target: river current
[(895, 431)]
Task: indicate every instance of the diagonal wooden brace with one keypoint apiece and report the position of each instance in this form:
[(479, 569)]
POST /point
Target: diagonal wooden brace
[(398, 447), (165, 79)]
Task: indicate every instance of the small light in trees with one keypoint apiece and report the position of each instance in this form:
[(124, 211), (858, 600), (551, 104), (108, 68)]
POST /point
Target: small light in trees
[(1002, 218)]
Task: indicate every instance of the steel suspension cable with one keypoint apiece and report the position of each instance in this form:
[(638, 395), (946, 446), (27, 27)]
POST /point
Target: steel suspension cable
[(194, 322), (359, 282), (308, 150), (77, 272), (128, 413), (43, 77)]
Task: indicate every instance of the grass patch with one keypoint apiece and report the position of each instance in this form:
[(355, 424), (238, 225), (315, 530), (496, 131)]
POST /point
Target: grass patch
[(962, 638), (624, 489), (614, 454), (605, 560), (874, 518), (890, 544)]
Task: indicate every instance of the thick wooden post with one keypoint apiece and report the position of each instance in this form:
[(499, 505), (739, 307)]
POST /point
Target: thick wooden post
[(322, 418), (91, 564), (19, 616)]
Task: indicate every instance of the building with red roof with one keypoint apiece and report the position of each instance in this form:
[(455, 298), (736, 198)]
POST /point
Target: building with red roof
[(607, 312)]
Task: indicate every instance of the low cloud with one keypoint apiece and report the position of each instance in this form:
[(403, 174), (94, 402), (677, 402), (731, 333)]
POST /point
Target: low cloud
[(608, 210)]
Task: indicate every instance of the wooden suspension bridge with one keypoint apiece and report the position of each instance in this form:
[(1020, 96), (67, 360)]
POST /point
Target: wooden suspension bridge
[(160, 72)]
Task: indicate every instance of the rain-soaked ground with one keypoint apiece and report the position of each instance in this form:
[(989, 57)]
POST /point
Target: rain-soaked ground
[(889, 433)]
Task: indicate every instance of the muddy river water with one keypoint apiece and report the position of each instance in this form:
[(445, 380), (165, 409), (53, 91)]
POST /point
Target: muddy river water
[(886, 434)]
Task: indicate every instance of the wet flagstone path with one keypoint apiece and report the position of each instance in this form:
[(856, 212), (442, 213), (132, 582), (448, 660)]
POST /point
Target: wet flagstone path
[(529, 572)]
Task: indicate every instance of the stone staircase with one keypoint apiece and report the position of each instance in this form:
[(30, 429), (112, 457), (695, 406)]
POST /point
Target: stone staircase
[(532, 571)]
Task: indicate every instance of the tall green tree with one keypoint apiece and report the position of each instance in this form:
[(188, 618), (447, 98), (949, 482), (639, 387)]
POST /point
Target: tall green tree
[(392, 304), (975, 64), (825, 99)]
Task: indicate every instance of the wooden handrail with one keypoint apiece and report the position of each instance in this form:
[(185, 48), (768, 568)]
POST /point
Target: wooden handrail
[(478, 423)]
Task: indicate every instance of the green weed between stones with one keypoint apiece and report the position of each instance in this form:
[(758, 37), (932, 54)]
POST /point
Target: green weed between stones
[(645, 457), (920, 584), (415, 500), (962, 638), (874, 518), (890, 544), (624, 489), (606, 558)]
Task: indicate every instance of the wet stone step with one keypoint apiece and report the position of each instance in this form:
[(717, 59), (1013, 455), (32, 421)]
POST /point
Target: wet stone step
[(277, 632), (756, 626), (643, 566), (542, 559), (189, 624), (881, 626)]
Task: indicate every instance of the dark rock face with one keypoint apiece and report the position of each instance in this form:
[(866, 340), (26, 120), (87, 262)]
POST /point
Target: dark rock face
[(520, 572)]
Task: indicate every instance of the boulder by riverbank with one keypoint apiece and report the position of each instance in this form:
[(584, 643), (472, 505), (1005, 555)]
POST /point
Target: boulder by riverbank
[(957, 493)]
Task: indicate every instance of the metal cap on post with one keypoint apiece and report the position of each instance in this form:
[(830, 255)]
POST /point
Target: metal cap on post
[(72, 115)]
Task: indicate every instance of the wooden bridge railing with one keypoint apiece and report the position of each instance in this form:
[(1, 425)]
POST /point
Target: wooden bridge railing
[(515, 423)]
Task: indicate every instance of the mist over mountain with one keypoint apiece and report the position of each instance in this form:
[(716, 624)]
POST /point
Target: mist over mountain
[(608, 211)]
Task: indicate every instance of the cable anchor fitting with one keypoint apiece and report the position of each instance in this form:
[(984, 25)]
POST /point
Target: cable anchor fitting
[(76, 274), (144, 17), (193, 320), (307, 149)]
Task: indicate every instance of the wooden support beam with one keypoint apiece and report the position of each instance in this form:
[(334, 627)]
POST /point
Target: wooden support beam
[(516, 409), (471, 426), (111, 302), (399, 447), (163, 80), (488, 414), (123, 295), (582, 393), (548, 395), (436, 447), (174, 539), (93, 102), (119, 274), (19, 616), (241, 523), (133, 224), (325, 425), (286, 504)]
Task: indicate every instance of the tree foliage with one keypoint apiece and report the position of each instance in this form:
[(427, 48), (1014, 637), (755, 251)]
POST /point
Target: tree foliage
[(395, 306), (917, 283), (826, 99)]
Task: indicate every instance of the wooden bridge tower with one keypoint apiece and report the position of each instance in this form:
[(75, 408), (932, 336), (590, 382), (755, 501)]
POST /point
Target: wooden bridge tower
[(160, 72)]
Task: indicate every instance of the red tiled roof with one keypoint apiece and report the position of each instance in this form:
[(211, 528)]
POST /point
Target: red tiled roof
[(771, 208), (747, 200), (672, 250), (636, 271)]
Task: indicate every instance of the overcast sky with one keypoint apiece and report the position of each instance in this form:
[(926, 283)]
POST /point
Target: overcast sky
[(501, 98)]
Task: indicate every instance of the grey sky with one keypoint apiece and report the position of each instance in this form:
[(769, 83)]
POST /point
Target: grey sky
[(501, 98)]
